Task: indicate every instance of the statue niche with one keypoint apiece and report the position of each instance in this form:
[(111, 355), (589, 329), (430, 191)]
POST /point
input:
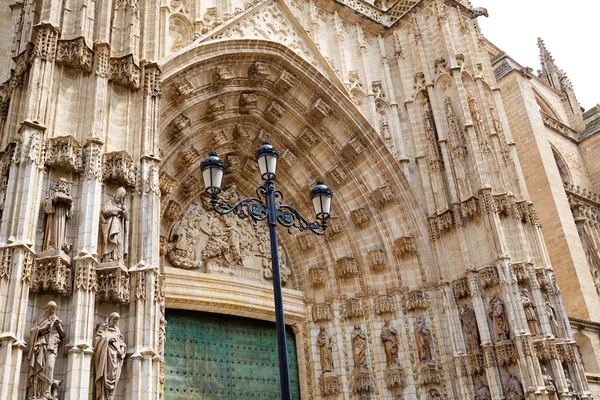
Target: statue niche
[(203, 239)]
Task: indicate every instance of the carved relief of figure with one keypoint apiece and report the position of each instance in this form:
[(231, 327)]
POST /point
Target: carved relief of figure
[(570, 386), (284, 270), (114, 224), (549, 383), (529, 312), (58, 207), (109, 354), (359, 346), (389, 337), (552, 320), (482, 391), (325, 343), (513, 390), (434, 394), (469, 322), (496, 312), (43, 341), (423, 336)]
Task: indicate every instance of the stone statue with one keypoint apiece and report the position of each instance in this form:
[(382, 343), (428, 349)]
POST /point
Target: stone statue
[(389, 337), (325, 343), (552, 320), (529, 312), (423, 337), (43, 348), (479, 12), (58, 207), (434, 394), (114, 224), (570, 386), (359, 346), (482, 391), (496, 312), (549, 383), (469, 322), (109, 354), (513, 390)]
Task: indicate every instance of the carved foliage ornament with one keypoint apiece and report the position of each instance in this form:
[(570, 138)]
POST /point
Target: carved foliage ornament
[(75, 54), (64, 152)]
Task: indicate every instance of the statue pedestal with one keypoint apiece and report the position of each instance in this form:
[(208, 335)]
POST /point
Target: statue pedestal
[(505, 350), (428, 374), (362, 380), (394, 376), (52, 273), (329, 384), (113, 282)]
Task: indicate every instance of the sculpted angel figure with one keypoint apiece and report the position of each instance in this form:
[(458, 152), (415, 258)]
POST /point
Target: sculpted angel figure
[(43, 341), (114, 226), (325, 343), (389, 337), (359, 346), (58, 207), (109, 354)]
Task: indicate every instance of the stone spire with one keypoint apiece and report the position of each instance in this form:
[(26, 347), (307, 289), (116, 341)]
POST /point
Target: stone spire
[(554, 76)]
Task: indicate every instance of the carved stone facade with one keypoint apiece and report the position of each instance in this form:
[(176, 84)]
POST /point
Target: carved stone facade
[(433, 279)]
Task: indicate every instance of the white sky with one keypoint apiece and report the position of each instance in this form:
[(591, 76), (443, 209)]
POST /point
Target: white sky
[(570, 29)]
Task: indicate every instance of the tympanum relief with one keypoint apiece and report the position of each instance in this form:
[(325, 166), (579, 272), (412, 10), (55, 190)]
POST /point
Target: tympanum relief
[(202, 239)]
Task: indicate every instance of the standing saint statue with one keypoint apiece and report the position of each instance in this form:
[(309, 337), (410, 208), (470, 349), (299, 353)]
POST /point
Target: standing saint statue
[(423, 337), (109, 354), (513, 390), (482, 391), (359, 346), (325, 343), (114, 225), (43, 341), (389, 337), (529, 312), (552, 320), (469, 322), (496, 312), (549, 383), (58, 207)]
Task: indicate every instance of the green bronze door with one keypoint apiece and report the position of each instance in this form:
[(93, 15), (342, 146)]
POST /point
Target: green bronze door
[(214, 356)]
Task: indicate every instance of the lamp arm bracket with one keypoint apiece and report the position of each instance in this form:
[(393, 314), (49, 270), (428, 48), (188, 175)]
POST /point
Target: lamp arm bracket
[(291, 218), (251, 207)]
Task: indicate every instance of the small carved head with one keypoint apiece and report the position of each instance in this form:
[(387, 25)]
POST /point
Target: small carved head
[(51, 307), (120, 194), (113, 319)]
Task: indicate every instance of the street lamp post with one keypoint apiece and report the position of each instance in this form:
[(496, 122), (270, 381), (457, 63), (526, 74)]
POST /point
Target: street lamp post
[(275, 212)]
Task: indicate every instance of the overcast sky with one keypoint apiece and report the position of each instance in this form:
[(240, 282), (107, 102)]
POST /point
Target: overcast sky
[(570, 29)]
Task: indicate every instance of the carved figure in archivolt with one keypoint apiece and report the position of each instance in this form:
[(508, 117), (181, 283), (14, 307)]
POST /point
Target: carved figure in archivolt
[(389, 337), (109, 354), (58, 207), (498, 315), (469, 322), (43, 348), (482, 391), (513, 390), (549, 383), (325, 343), (435, 394), (114, 228), (203, 239), (529, 312), (423, 337), (359, 347), (551, 313)]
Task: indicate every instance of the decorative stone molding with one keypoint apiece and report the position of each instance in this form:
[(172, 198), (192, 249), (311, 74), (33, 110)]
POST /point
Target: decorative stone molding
[(336, 175), (92, 160), (64, 152), (506, 353), (250, 168), (118, 166), (521, 271), (216, 107), (384, 304), (188, 156), (284, 82), (274, 112), (321, 312), (163, 245), (240, 133), (191, 186), (383, 195), (85, 274), (428, 374), (377, 260), (541, 276), (567, 351), (329, 384), (488, 356), (124, 71), (305, 241), (460, 288), (335, 226), (346, 267), (219, 137), (394, 377), (353, 308), (415, 300), (488, 276), (6, 255), (74, 53), (247, 101), (222, 75), (527, 212), (362, 381), (360, 216), (52, 273), (318, 275), (258, 71), (183, 89), (476, 363), (152, 80), (440, 223), (307, 138), (44, 44), (546, 349), (166, 183), (181, 124), (317, 111), (173, 210), (353, 149), (113, 282), (233, 163), (405, 245)]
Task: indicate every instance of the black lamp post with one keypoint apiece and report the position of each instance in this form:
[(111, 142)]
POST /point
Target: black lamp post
[(268, 204)]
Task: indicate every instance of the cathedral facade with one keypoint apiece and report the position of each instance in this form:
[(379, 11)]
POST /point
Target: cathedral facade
[(433, 281)]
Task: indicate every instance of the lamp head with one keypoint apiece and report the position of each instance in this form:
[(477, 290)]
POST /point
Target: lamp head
[(213, 169), (321, 196), (266, 157)]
